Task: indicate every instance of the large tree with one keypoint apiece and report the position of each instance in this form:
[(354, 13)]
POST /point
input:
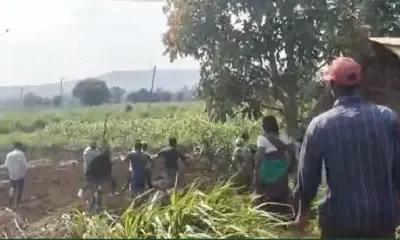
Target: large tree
[(117, 94), (92, 92), (255, 53), (251, 52)]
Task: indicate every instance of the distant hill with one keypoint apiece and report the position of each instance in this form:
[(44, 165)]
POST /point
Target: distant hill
[(172, 80)]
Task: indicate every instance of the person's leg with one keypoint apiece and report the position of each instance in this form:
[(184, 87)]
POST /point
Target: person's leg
[(149, 179), (20, 189), (128, 182), (172, 177), (86, 186), (113, 183), (11, 192)]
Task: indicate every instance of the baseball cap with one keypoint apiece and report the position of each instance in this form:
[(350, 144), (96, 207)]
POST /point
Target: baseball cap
[(344, 71)]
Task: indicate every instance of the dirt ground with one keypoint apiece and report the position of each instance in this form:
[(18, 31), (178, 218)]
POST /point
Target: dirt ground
[(52, 184)]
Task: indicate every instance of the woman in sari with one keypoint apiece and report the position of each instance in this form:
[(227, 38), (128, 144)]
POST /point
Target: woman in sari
[(272, 167)]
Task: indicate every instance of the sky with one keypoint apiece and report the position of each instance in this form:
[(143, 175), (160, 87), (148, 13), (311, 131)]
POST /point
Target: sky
[(73, 39)]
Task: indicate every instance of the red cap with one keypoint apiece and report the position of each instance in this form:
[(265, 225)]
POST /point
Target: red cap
[(344, 71)]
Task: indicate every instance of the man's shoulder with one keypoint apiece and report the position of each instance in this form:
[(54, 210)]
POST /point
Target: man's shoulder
[(15, 153), (166, 149), (88, 149), (384, 111)]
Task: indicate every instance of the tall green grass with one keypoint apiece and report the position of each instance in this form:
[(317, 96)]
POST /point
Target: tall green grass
[(214, 213)]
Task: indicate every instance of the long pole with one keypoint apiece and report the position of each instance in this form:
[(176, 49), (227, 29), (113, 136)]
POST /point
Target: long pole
[(152, 85), (61, 91), (21, 95)]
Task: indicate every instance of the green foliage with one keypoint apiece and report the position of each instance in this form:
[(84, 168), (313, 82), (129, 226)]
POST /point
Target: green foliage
[(258, 53), (214, 213), (92, 92), (252, 53)]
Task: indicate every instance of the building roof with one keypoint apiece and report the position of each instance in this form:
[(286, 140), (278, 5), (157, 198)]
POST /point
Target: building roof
[(391, 43)]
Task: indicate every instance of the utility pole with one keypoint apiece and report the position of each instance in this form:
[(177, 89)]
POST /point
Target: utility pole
[(152, 86), (21, 96), (61, 91)]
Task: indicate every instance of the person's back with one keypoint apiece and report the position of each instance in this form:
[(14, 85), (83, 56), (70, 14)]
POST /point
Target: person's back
[(171, 156), (16, 164), (138, 164), (89, 155), (137, 160), (100, 166), (357, 143)]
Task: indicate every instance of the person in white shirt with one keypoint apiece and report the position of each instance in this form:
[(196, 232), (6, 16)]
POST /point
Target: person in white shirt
[(17, 166), (89, 155)]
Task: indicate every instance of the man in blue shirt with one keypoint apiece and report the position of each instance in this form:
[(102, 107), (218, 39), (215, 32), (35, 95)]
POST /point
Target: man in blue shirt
[(138, 162), (359, 144)]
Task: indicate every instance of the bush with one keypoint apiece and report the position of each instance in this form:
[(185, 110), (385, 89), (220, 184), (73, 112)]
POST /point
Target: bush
[(128, 108)]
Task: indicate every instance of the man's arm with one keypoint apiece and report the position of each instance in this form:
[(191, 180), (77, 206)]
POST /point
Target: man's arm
[(6, 162), (310, 168), (183, 158), (25, 163)]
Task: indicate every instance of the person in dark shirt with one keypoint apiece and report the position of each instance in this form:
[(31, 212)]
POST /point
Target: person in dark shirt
[(100, 169), (358, 142), (171, 155), (138, 162)]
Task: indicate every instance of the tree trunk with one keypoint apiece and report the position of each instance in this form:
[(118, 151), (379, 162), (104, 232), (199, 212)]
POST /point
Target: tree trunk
[(291, 115)]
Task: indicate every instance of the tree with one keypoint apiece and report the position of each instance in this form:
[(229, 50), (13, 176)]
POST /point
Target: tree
[(249, 50), (31, 99), (91, 92), (116, 94), (57, 101), (257, 54)]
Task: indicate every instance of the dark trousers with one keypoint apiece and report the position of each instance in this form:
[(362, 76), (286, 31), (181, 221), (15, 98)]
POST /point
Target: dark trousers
[(90, 182), (129, 180), (17, 187), (327, 232)]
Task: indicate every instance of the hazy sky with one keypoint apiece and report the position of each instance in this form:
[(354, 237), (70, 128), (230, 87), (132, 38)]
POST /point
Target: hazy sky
[(50, 39)]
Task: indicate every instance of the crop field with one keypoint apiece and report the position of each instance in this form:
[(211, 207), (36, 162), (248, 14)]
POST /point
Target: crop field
[(50, 200)]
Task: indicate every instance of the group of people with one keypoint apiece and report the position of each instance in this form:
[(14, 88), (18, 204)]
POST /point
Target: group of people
[(97, 167), (357, 142), (358, 145)]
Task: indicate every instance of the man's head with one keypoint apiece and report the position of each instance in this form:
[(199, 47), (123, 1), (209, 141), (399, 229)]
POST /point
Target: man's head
[(245, 136), (138, 145), (18, 145), (270, 124), (343, 76), (106, 148), (93, 144), (145, 145), (239, 142), (173, 142)]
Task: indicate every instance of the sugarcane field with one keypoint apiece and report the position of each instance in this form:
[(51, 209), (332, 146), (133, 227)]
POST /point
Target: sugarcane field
[(199, 119)]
